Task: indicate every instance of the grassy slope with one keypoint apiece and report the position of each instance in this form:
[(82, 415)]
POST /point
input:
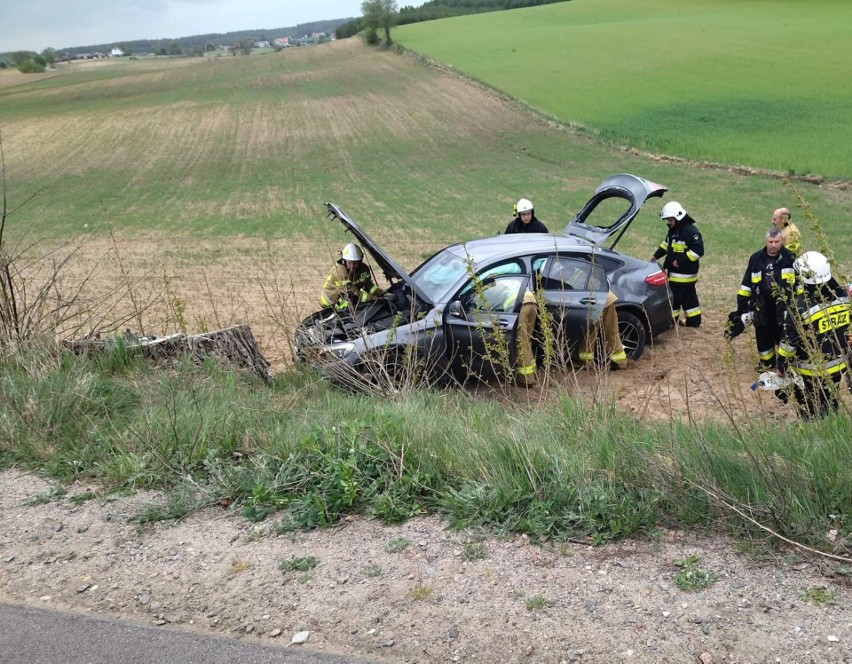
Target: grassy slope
[(735, 81)]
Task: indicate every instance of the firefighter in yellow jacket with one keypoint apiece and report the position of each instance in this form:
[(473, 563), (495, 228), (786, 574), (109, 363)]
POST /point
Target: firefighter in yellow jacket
[(525, 363), (502, 297), (350, 282), (612, 338)]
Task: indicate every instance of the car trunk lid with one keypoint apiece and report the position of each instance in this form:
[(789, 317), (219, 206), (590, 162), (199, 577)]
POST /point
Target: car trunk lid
[(633, 189)]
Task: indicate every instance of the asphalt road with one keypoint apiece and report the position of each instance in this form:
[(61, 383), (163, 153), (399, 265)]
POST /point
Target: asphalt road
[(39, 636)]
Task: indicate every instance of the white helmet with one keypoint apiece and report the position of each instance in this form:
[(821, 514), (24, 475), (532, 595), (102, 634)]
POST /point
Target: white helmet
[(813, 267), (352, 252), (524, 206), (672, 209)]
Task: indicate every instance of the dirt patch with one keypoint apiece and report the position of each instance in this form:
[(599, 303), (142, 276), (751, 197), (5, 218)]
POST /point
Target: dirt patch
[(417, 592)]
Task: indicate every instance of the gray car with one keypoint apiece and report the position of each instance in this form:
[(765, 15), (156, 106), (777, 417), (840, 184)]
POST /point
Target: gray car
[(456, 315)]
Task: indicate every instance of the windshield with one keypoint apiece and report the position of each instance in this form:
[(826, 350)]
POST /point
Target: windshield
[(441, 272)]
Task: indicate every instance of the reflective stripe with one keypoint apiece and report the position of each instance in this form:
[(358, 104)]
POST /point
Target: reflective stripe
[(832, 310), (324, 301), (620, 356), (526, 370), (766, 354), (811, 369), (745, 291), (786, 350), (664, 246), (587, 357), (691, 255), (788, 274), (680, 278), (695, 311), (678, 246), (756, 277)]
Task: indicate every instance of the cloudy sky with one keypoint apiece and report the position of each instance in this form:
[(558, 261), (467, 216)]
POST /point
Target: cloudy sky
[(34, 25)]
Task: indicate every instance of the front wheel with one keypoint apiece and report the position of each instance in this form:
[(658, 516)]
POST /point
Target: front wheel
[(633, 334)]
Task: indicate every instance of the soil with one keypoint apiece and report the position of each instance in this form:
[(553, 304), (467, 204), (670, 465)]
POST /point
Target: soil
[(418, 592)]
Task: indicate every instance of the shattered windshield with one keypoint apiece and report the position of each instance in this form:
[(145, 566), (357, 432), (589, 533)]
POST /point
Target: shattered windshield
[(438, 275)]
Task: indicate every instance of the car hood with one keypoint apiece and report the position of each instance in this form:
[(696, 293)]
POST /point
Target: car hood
[(389, 267), (633, 189)]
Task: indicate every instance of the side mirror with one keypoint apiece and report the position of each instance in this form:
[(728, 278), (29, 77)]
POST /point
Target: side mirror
[(455, 309)]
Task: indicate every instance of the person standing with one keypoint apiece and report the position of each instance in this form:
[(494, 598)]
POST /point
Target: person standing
[(350, 281), (815, 346), (781, 219), (682, 249), (525, 220), (767, 286)]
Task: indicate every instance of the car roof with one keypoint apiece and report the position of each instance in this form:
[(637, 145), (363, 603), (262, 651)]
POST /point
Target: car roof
[(488, 249)]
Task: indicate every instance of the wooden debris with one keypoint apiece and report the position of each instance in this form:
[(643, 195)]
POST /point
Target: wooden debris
[(234, 344)]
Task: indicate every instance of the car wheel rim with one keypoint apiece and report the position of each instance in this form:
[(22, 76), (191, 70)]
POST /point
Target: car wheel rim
[(629, 337)]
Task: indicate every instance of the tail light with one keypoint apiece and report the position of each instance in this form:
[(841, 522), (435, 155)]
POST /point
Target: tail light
[(657, 278)]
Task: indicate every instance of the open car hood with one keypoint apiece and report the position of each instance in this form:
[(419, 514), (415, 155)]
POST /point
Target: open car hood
[(390, 269), (633, 189)]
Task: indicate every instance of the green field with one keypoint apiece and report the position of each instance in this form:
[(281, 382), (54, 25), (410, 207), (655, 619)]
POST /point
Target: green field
[(734, 81)]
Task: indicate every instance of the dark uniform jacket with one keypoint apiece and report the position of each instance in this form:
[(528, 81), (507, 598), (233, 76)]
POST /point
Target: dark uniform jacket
[(517, 226), (815, 328), (769, 281), (683, 244)]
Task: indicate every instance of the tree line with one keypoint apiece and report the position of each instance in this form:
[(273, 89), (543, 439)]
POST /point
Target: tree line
[(381, 15)]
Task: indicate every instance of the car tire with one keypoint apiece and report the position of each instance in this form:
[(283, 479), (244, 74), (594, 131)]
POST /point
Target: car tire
[(633, 334)]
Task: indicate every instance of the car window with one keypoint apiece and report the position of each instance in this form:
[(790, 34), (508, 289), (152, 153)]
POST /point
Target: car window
[(607, 211), (570, 273), (494, 295), (511, 267), (438, 274)]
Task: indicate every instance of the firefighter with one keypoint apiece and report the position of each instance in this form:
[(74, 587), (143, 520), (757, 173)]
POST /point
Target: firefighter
[(792, 237), (813, 354), (503, 298), (350, 281), (682, 248), (768, 284), (613, 347), (525, 366), (525, 220)]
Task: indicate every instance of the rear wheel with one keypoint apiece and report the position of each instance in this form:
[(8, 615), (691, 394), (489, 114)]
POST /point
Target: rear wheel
[(633, 334)]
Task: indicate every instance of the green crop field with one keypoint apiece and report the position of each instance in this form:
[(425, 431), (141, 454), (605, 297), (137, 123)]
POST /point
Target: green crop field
[(734, 81)]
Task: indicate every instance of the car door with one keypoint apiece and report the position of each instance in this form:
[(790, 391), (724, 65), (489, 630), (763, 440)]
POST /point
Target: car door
[(574, 288), (481, 324)]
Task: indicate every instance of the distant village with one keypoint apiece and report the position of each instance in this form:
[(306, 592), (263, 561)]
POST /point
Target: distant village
[(277, 43)]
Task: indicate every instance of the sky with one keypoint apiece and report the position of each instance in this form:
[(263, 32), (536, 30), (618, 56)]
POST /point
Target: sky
[(33, 25)]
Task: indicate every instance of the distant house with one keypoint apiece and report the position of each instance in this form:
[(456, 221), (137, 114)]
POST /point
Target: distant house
[(116, 53), (281, 42), (262, 44)]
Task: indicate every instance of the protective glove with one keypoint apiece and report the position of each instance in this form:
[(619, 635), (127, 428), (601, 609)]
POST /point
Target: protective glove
[(769, 381)]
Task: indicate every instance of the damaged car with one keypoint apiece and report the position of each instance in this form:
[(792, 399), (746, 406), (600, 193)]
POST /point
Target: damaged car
[(450, 318)]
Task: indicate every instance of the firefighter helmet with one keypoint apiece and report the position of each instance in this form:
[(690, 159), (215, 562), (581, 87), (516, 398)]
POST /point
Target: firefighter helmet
[(524, 206), (672, 210), (813, 267), (352, 252)]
